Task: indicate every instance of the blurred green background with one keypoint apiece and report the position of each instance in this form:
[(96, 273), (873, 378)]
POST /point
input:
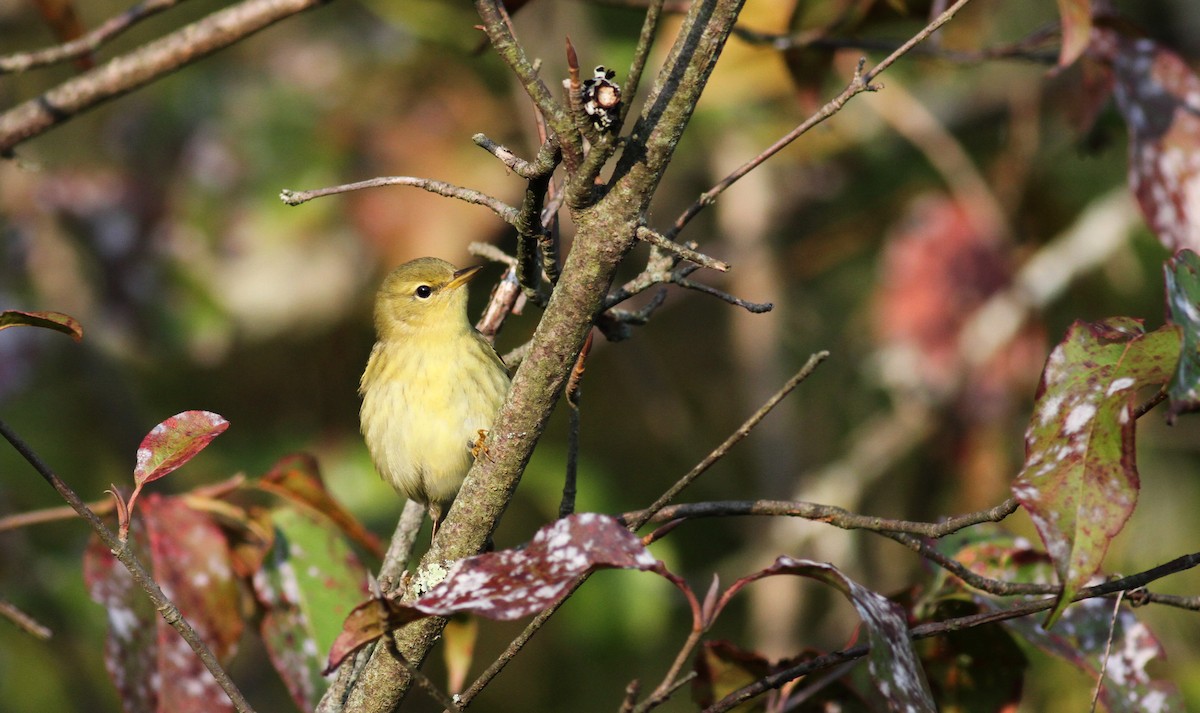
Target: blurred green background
[(154, 220)]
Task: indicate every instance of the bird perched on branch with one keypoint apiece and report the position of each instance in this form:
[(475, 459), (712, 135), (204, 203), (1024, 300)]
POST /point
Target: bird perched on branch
[(432, 386)]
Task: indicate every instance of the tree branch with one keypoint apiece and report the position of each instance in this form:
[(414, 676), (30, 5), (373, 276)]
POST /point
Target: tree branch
[(506, 212), (142, 66)]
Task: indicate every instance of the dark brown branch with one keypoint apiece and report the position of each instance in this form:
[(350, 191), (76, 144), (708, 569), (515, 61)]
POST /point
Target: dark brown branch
[(506, 212), (88, 43), (124, 554), (142, 66)]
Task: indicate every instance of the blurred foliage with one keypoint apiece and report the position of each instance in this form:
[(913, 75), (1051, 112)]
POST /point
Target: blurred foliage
[(154, 220)]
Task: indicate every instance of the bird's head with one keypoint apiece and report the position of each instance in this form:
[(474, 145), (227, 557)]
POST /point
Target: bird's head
[(424, 296)]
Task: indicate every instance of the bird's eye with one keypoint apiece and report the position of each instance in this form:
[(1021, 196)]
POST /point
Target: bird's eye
[(424, 291)]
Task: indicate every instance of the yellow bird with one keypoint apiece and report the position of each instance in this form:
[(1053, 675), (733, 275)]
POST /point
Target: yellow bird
[(432, 386)]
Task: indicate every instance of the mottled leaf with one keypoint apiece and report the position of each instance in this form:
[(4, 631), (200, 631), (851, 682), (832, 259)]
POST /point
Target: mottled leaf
[(1080, 480), (57, 321), (508, 584), (1081, 637), (895, 671), (298, 478), (1182, 274), (309, 582), (153, 668), (174, 442), (1076, 19), (1159, 97)]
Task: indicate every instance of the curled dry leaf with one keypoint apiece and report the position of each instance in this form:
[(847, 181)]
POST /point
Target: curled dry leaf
[(57, 321)]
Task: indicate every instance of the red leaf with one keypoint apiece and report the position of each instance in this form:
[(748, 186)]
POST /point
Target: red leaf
[(57, 321), (297, 478), (174, 442), (1159, 97), (150, 663), (508, 584)]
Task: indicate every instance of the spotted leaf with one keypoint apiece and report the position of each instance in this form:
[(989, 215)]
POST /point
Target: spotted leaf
[(1159, 97), (509, 584), (174, 442), (1081, 638), (893, 663), (308, 583), (1182, 274), (153, 668), (1080, 480)]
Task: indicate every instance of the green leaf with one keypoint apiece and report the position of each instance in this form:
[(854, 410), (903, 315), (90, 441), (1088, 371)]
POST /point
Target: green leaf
[(1182, 274), (1080, 480), (308, 584), (57, 321)]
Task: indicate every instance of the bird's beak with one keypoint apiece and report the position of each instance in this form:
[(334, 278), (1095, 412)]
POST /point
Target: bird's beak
[(463, 276)]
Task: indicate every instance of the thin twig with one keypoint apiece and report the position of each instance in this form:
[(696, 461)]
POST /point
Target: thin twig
[(88, 43), (752, 307), (839, 517), (23, 621), (506, 212), (1112, 630), (124, 554), (647, 235), (669, 683), (640, 54), (142, 66), (861, 82), (719, 452), (423, 681), (58, 514), (573, 394), (401, 546)]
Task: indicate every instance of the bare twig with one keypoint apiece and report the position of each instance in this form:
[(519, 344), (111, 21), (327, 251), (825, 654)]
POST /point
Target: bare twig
[(401, 546), (423, 681), (567, 506), (506, 212), (860, 83), (831, 514), (647, 235), (23, 621), (754, 307), (1112, 630), (124, 554), (640, 54), (38, 517), (141, 66), (88, 43), (719, 452)]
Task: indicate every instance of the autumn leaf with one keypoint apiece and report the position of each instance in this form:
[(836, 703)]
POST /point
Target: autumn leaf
[(1076, 18), (1182, 276), (1080, 480), (508, 584), (57, 321), (1081, 638), (1159, 97), (893, 663), (153, 668), (174, 442)]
